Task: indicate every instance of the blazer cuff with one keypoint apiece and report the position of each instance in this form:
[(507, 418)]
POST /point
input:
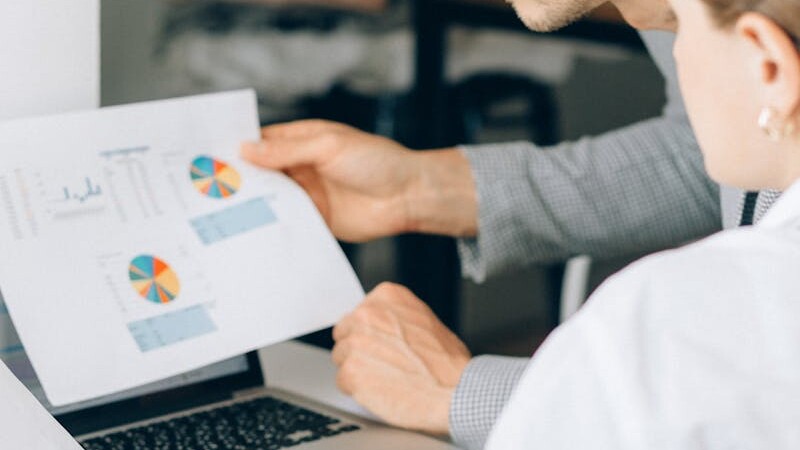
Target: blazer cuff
[(500, 172), (483, 391)]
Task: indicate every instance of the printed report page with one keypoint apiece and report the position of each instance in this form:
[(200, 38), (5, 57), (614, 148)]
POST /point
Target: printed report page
[(137, 245)]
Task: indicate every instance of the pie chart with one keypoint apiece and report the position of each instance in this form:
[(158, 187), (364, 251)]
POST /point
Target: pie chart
[(153, 279), (215, 178)]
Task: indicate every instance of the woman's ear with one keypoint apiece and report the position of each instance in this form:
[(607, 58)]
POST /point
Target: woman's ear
[(775, 62)]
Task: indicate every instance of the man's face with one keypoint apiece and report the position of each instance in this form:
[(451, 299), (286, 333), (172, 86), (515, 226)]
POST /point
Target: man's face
[(549, 15)]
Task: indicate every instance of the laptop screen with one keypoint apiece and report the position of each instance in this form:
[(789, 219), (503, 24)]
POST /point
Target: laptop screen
[(209, 384)]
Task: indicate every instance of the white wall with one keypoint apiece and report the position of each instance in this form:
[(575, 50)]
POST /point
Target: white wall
[(49, 56)]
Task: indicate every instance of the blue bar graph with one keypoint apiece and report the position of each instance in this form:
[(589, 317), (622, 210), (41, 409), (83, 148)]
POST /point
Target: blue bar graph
[(170, 328), (232, 221)]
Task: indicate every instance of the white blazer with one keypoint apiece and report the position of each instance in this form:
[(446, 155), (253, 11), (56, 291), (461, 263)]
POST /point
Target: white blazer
[(694, 348)]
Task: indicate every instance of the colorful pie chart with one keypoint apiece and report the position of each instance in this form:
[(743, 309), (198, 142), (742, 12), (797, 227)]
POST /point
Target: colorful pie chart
[(154, 279), (215, 178)]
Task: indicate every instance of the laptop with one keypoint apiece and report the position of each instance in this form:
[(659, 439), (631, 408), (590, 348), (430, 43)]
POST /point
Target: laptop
[(222, 406)]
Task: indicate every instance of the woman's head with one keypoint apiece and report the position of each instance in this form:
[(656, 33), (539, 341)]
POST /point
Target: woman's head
[(739, 66)]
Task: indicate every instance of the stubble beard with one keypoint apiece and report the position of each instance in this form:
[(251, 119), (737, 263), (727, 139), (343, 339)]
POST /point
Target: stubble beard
[(551, 15)]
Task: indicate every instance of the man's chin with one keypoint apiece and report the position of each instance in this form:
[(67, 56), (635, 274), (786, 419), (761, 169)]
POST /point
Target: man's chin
[(544, 17), (546, 26)]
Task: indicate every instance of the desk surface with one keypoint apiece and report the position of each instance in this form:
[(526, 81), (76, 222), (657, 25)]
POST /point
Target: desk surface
[(307, 371)]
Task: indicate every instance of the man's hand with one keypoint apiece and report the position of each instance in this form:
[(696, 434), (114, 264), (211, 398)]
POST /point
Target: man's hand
[(359, 182), (398, 360), (367, 186)]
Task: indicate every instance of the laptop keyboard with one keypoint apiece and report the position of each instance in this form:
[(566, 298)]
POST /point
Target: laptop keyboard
[(260, 424)]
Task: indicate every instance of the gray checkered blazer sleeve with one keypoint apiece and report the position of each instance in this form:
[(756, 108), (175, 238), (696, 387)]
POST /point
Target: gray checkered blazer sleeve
[(484, 388), (638, 188)]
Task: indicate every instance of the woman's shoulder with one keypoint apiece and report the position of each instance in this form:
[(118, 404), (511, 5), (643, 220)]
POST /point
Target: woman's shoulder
[(728, 265)]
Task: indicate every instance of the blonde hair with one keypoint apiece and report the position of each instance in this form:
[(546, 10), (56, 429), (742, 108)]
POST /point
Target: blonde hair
[(785, 13)]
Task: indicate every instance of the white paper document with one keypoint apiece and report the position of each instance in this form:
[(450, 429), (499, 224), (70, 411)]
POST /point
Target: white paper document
[(24, 423), (136, 245)]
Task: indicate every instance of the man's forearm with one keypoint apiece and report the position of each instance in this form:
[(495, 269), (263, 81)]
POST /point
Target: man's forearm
[(443, 200), (639, 188)]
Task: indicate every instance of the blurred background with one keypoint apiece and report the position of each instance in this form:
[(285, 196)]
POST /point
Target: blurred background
[(428, 73)]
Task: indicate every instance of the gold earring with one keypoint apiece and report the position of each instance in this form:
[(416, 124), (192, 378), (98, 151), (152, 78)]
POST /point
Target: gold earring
[(773, 126)]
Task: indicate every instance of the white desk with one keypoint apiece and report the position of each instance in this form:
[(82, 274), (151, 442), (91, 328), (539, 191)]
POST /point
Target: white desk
[(308, 371)]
